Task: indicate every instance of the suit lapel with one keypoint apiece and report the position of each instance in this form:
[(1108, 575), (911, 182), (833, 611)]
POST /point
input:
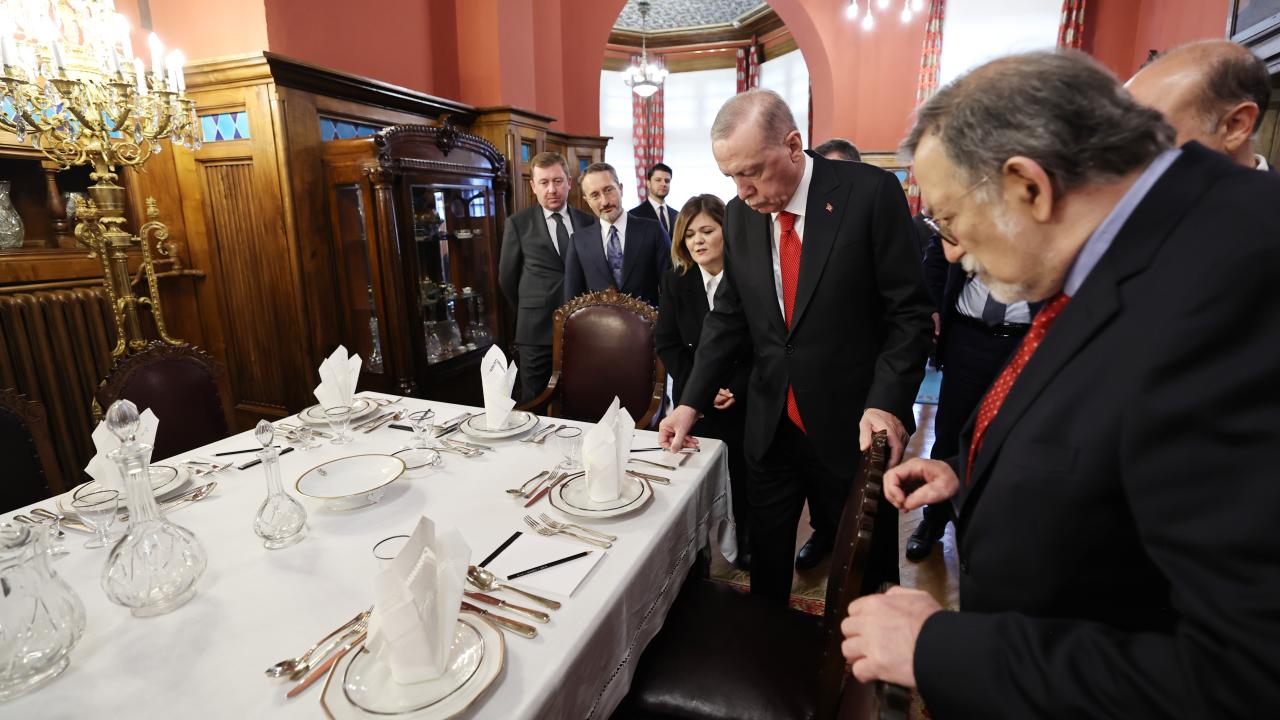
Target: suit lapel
[(631, 252), (696, 293), (592, 249), (758, 247), (545, 233), (820, 227)]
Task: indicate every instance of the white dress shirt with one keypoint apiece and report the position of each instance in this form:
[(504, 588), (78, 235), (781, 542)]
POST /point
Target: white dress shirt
[(621, 224), (551, 225), (661, 210), (710, 283), (799, 201), (1262, 164)]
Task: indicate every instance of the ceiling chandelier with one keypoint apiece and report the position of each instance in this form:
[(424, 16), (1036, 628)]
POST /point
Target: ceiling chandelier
[(644, 79), (910, 8)]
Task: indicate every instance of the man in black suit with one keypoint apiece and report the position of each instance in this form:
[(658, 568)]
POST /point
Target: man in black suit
[(1117, 487), (531, 266), (1214, 92), (621, 251), (658, 183), (821, 277), (839, 149)]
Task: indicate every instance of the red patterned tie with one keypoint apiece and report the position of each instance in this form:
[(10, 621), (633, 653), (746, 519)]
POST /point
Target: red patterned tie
[(789, 259), (1000, 390)]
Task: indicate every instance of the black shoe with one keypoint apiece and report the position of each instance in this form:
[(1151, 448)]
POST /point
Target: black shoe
[(812, 552), (743, 561), (921, 542)]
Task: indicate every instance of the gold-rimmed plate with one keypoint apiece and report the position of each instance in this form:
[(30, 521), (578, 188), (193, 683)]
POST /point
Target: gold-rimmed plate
[(518, 422), (571, 497), (165, 480), (360, 408), (350, 482)]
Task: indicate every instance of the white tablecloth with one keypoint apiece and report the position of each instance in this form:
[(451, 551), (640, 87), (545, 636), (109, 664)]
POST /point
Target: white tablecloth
[(256, 606)]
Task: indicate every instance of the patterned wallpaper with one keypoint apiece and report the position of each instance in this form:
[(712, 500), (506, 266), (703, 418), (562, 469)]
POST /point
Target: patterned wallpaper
[(672, 14)]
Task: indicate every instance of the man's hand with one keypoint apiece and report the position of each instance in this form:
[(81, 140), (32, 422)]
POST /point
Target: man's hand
[(937, 325), (880, 634), (874, 420), (724, 399), (919, 482), (673, 431)]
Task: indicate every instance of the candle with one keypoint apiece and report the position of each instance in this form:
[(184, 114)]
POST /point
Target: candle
[(179, 81), (157, 53), (122, 29), (57, 55), (141, 75)]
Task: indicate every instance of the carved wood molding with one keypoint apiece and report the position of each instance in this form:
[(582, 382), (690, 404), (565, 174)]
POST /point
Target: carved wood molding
[(28, 411), (445, 137), (609, 296)]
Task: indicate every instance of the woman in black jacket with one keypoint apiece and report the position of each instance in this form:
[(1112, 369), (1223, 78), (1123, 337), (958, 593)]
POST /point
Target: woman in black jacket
[(687, 293)]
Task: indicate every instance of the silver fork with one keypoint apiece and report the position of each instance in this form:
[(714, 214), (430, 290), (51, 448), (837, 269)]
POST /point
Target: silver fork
[(552, 531), (556, 524), (354, 631), (520, 490), (536, 437)]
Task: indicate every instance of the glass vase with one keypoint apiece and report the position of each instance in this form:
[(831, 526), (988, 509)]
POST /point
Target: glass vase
[(281, 520), (41, 617), (11, 230)]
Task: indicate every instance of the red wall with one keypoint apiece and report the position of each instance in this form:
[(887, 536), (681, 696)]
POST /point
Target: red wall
[(1121, 32)]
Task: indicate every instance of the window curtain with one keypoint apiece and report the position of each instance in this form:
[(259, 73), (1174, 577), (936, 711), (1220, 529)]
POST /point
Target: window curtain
[(1071, 29), (748, 68), (647, 129), (927, 83)]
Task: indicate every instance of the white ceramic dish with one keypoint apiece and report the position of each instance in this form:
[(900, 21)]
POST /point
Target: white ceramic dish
[(517, 422), (570, 497), (350, 482), (362, 407), (419, 461)]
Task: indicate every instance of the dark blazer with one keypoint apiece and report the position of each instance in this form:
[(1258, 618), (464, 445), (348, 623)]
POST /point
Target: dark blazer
[(944, 281), (1118, 547), (531, 272), (646, 254), (861, 327), (646, 210), (680, 318)]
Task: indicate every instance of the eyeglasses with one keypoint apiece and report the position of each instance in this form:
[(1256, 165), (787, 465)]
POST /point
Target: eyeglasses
[(940, 228)]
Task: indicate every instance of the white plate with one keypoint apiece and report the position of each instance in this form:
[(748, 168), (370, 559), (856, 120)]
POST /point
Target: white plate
[(314, 415), (517, 422), (570, 497), (419, 461), (350, 482), (361, 687), (165, 480)]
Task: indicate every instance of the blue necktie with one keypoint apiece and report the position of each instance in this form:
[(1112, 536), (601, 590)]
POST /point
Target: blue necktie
[(615, 256)]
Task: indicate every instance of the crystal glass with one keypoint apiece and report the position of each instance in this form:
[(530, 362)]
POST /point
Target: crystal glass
[(305, 437), (11, 230), (98, 510), (569, 441), (281, 520), (154, 568), (339, 418), (423, 424), (41, 617)]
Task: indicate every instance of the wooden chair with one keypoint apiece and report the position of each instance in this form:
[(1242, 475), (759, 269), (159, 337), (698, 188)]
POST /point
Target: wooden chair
[(179, 384), (603, 345), (723, 654), (31, 472)]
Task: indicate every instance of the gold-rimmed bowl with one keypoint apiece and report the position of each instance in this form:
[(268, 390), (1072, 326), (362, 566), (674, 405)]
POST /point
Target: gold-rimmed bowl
[(350, 482)]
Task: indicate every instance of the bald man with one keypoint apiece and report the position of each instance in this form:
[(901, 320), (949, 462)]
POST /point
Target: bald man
[(1213, 92)]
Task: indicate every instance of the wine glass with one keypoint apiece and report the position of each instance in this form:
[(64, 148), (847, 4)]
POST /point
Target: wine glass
[(98, 510), (304, 436), (569, 441), (423, 423), (339, 418)]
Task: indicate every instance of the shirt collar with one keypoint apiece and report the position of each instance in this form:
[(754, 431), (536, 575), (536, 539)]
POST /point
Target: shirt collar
[(1262, 163), (620, 223), (657, 204), (708, 277), (800, 198), (1100, 241), (564, 213)]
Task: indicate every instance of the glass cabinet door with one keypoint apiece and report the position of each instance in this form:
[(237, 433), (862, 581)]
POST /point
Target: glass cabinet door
[(357, 285), (456, 292)]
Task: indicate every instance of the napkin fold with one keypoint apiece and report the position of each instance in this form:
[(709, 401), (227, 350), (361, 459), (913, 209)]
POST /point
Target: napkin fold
[(605, 450), (338, 377), (497, 378), (101, 467), (416, 600)]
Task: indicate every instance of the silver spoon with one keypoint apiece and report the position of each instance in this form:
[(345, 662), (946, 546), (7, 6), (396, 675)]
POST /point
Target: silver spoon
[(488, 582), (292, 665)]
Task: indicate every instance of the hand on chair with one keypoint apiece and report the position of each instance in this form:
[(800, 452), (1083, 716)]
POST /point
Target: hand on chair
[(874, 420)]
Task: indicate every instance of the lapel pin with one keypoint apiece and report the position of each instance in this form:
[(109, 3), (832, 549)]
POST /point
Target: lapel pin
[(828, 207)]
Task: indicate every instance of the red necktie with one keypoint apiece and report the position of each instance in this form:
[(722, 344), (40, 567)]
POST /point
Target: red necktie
[(1004, 383), (789, 259)]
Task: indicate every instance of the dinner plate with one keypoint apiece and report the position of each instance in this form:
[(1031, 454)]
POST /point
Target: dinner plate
[(419, 461), (570, 497), (314, 415), (350, 482), (517, 422), (361, 686), (165, 480)]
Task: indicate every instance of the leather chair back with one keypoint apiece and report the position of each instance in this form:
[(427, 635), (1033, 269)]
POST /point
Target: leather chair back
[(31, 472), (604, 346), (180, 385)]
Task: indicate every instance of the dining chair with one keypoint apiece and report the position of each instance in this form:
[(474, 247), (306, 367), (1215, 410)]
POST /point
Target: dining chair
[(603, 346), (725, 654), (181, 385), (31, 470)]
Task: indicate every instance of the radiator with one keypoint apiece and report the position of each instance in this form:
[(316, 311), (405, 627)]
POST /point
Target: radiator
[(55, 347)]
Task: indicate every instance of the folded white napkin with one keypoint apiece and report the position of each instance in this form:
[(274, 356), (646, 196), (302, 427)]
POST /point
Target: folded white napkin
[(101, 467), (496, 379), (604, 452), (416, 600), (338, 377)]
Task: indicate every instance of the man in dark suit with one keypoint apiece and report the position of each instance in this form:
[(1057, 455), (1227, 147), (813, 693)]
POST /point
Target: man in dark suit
[(531, 266), (1116, 488), (839, 149), (820, 275), (1214, 92), (658, 183), (621, 251)]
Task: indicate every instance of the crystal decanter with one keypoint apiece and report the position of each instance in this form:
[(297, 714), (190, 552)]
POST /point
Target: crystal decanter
[(281, 520)]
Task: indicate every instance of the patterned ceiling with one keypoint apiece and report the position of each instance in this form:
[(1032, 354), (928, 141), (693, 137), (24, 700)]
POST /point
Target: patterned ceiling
[(676, 14)]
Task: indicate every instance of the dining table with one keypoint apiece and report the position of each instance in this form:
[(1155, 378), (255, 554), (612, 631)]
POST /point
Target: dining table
[(254, 606)]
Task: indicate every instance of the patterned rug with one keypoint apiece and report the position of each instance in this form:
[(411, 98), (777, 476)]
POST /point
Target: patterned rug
[(806, 595)]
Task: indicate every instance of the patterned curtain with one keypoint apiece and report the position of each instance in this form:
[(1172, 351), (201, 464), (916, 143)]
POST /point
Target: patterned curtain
[(1071, 28), (927, 84), (647, 128), (748, 68)]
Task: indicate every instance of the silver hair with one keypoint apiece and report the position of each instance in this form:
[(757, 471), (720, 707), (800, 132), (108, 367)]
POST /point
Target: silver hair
[(766, 108), (1061, 109)]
